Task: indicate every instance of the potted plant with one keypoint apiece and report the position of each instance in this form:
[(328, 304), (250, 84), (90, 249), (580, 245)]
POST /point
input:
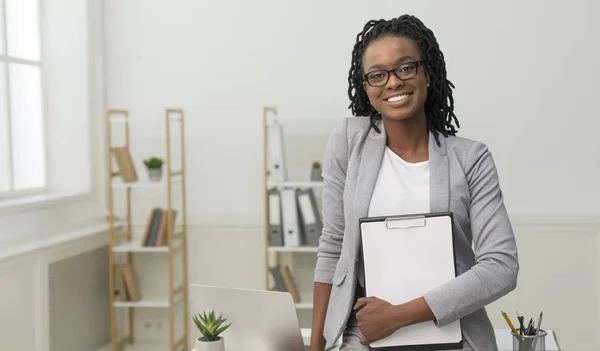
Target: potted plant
[(210, 327), (154, 166), (315, 173)]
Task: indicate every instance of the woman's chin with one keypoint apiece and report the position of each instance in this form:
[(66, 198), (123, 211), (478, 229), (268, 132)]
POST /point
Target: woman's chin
[(399, 117)]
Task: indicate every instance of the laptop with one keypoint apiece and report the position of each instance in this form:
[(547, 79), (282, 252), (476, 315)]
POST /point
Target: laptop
[(261, 319)]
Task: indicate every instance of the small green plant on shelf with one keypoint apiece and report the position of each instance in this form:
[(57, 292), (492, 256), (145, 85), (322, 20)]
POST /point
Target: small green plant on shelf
[(154, 165), (211, 327)]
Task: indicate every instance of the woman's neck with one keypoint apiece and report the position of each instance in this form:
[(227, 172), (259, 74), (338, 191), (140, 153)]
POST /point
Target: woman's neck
[(408, 138)]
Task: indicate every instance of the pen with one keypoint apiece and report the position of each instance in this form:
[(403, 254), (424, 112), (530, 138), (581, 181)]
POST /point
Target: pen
[(512, 327), (529, 326), (537, 330)]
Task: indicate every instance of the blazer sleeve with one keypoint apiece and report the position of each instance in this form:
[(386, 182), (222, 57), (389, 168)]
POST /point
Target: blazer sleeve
[(496, 269), (335, 163)]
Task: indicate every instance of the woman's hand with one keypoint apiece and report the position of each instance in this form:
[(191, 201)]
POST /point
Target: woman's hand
[(378, 319), (375, 319)]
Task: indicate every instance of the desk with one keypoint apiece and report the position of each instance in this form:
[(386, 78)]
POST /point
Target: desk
[(503, 339)]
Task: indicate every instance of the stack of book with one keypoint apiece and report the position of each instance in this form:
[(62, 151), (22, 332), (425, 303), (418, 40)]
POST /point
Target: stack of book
[(126, 283), (156, 233)]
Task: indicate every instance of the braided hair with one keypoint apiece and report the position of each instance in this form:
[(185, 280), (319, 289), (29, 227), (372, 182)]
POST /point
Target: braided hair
[(439, 106)]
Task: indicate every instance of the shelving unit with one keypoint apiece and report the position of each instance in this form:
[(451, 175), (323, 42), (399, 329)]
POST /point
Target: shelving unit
[(123, 246), (305, 140)]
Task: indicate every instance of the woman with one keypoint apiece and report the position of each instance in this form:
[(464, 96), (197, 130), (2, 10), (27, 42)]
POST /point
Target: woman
[(400, 155)]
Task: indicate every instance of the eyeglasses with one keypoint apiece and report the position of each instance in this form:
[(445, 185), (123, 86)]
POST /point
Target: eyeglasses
[(404, 71)]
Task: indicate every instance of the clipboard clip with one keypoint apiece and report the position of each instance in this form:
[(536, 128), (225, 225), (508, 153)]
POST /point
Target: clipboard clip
[(405, 222)]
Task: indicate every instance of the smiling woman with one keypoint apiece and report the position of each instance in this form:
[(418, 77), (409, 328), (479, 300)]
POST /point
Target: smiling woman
[(399, 155)]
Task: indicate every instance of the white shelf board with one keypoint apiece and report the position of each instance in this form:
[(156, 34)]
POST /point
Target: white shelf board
[(136, 246), (292, 249), (148, 302), (292, 184), (146, 183)]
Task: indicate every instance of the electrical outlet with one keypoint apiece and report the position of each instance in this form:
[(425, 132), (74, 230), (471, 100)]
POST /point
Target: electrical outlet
[(154, 324)]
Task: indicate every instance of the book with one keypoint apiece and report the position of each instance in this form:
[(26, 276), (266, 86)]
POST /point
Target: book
[(290, 285), (163, 234), (131, 282), (125, 164)]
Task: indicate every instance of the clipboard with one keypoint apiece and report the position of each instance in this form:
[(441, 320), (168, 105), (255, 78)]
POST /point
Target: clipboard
[(405, 256)]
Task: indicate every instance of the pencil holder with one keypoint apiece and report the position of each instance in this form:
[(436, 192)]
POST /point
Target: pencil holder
[(530, 342)]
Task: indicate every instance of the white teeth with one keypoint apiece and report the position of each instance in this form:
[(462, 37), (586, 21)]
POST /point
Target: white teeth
[(398, 98)]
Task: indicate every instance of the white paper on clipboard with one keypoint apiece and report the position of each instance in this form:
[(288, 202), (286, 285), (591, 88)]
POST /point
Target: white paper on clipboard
[(404, 257)]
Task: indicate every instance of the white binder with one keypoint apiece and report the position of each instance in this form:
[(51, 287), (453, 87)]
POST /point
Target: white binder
[(275, 226), (275, 153), (289, 210), (404, 257)]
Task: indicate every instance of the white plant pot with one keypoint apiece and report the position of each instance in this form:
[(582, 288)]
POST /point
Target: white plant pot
[(155, 174), (315, 174), (218, 345)]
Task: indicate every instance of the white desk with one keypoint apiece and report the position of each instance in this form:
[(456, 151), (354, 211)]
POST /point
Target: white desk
[(503, 339)]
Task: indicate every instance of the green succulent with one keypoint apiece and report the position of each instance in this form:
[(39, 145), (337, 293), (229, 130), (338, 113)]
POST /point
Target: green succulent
[(154, 162), (316, 164), (210, 326)]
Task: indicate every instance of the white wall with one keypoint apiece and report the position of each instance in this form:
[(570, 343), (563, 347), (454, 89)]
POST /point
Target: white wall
[(524, 72)]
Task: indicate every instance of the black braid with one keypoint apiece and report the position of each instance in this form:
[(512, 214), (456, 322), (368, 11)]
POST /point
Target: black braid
[(439, 106)]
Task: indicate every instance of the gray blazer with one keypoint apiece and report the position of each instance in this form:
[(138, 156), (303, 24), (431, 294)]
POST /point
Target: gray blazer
[(464, 181)]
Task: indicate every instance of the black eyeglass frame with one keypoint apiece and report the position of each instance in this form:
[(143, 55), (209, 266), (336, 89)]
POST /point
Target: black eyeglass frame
[(417, 64)]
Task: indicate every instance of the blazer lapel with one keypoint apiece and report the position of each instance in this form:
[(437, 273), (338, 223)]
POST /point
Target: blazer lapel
[(370, 162), (438, 175)]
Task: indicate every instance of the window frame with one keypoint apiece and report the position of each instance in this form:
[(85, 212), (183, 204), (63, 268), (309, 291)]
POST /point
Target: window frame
[(6, 60)]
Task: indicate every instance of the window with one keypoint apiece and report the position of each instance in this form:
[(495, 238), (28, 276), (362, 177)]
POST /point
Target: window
[(22, 137)]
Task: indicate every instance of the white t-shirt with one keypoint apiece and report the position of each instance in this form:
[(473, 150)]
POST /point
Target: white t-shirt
[(401, 188)]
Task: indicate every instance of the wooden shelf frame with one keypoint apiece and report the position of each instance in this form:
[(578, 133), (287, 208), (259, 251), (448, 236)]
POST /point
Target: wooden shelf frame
[(119, 238)]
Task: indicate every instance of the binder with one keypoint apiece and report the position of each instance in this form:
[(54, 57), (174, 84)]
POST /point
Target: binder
[(404, 257), (289, 211), (275, 226), (309, 217), (275, 153)]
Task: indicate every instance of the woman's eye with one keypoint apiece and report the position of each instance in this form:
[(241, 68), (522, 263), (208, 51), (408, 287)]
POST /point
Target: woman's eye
[(406, 69)]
